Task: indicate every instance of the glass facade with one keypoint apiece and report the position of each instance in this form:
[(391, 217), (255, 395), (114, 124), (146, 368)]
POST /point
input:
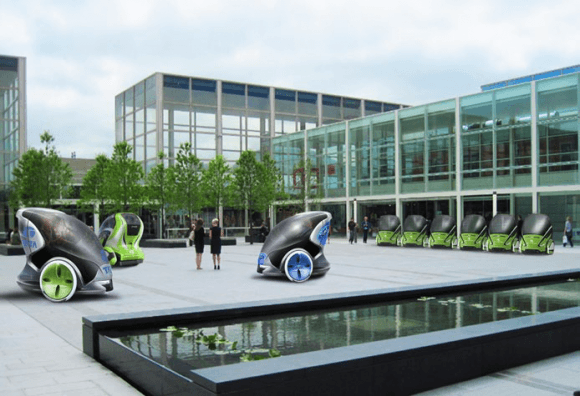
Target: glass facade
[(220, 117), (12, 130), (520, 142)]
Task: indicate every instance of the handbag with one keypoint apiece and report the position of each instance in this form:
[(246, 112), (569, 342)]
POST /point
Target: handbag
[(564, 239)]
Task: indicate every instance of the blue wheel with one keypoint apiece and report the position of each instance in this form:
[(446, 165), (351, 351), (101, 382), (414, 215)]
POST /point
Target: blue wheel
[(298, 265)]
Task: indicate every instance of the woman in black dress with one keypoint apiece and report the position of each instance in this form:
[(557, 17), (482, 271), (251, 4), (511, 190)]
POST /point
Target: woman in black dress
[(198, 236), (215, 234)]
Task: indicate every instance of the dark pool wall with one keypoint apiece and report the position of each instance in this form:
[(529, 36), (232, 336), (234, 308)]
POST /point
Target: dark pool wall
[(400, 366)]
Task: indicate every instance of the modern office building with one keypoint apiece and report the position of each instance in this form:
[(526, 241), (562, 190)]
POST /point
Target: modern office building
[(509, 149), (222, 117), (12, 129)]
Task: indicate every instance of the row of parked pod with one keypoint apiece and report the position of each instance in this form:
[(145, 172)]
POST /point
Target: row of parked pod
[(503, 233)]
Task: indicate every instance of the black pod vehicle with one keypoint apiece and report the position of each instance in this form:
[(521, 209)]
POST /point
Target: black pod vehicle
[(415, 230), (389, 230), (537, 234), (295, 247), (63, 255), (503, 233), (442, 232), (473, 232)]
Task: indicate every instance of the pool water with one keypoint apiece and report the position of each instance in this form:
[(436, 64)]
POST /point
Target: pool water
[(185, 348)]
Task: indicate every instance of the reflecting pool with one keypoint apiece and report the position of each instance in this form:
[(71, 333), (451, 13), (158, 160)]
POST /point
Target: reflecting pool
[(185, 348)]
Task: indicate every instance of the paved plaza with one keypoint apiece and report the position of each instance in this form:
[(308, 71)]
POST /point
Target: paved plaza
[(41, 343)]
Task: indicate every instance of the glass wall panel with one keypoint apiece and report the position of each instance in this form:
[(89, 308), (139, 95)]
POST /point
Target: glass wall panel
[(176, 89), (232, 121), (285, 124), (151, 118), (331, 108), (231, 142), (360, 156), (129, 101), (513, 157), (477, 160), (258, 123), (139, 148), (285, 101), (412, 132), (129, 132), (204, 92), (139, 122), (351, 108), (558, 206), (233, 95), (372, 107), (231, 156), (205, 141), (205, 117), (558, 143), (304, 123), (258, 98), (383, 156), (119, 104), (140, 95), (151, 152), (512, 105), (557, 98), (150, 91), (476, 112), (307, 103)]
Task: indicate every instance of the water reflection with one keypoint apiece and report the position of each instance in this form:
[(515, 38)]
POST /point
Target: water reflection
[(187, 348)]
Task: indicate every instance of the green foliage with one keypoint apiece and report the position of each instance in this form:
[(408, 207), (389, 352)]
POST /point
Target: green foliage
[(212, 341), (216, 182), (123, 177), (94, 188), (256, 183), (160, 184), (188, 188), (41, 177)]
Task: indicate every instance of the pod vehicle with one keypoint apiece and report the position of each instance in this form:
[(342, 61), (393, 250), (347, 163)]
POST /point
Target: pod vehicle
[(389, 230), (63, 255), (442, 233), (120, 235), (295, 247), (537, 235), (415, 230), (502, 234), (473, 232)]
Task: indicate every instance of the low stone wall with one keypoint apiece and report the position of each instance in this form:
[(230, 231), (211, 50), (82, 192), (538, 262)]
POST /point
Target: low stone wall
[(11, 250)]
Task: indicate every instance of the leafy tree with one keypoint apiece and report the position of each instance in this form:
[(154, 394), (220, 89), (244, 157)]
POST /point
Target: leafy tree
[(161, 187), (123, 177), (41, 176), (94, 188), (188, 172), (217, 182), (255, 183)]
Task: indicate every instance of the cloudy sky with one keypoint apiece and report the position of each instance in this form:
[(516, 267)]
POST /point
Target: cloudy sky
[(80, 54)]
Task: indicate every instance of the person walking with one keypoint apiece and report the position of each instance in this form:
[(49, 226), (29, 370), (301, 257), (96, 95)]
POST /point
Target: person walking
[(568, 232), (366, 226), (352, 230), (198, 236), (215, 234)]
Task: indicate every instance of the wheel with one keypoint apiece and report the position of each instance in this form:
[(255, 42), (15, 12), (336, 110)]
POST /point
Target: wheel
[(550, 248), (298, 265), (58, 280), (455, 243)]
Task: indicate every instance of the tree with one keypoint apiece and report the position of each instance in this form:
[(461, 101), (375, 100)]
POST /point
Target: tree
[(41, 176), (123, 177), (94, 188), (255, 183), (161, 188), (188, 171), (217, 182)]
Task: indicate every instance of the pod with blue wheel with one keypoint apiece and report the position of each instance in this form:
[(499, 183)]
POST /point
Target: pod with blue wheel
[(295, 247)]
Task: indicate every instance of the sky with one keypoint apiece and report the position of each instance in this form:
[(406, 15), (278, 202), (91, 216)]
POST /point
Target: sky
[(80, 54)]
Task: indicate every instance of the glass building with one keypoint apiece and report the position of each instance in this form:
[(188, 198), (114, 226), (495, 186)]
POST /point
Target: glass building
[(12, 129), (512, 149), (222, 117)]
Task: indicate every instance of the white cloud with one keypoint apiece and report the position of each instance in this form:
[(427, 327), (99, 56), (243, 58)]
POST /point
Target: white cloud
[(80, 54)]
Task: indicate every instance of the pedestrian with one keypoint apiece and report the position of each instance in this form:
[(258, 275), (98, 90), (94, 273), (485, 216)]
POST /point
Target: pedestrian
[(568, 232), (366, 226), (352, 230), (198, 236), (215, 234)]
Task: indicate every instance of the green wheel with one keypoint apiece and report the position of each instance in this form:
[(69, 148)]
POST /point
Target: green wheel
[(58, 280)]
